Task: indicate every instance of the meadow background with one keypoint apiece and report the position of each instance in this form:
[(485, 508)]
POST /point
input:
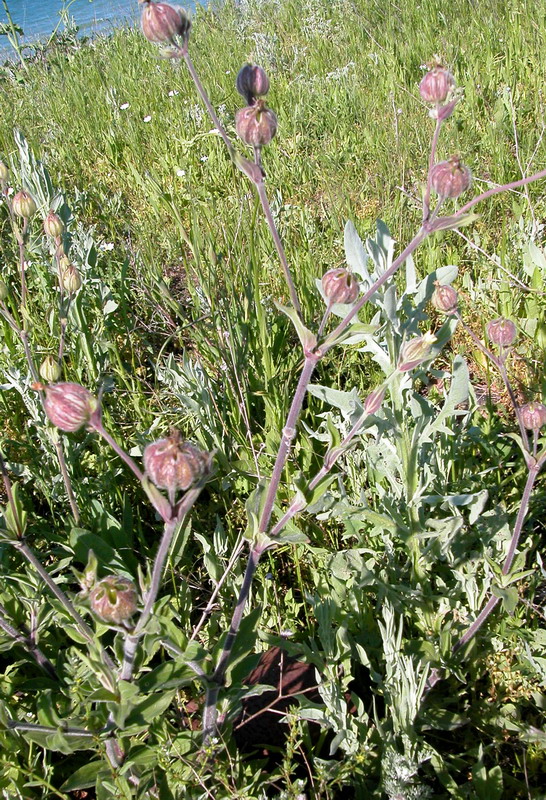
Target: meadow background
[(180, 278)]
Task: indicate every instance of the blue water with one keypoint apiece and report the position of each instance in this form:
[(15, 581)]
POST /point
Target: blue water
[(38, 18)]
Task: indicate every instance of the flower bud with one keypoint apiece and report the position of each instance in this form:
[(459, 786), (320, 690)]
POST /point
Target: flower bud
[(114, 599), (23, 205), (50, 370), (444, 298), (68, 405), (172, 464), (415, 351), (162, 23), (71, 279), (340, 286), (256, 125), (4, 173), (4, 291), (436, 85), (53, 225), (450, 178), (501, 331), (252, 82), (533, 415), (374, 401)]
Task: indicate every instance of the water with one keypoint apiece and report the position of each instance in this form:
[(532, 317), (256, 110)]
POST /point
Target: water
[(38, 18)]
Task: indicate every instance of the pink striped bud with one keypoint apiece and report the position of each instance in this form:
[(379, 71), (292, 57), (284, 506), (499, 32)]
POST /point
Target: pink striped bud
[(415, 351), (53, 225), (444, 298), (252, 82), (71, 279), (450, 178), (172, 464), (24, 205), (162, 23), (256, 125), (501, 331), (114, 599), (374, 401), (533, 416), (436, 85), (340, 286), (68, 405)]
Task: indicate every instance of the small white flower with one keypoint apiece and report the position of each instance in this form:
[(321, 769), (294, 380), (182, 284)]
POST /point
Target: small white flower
[(107, 246), (173, 93), (11, 190), (147, 118), (123, 106), (180, 172), (204, 158)]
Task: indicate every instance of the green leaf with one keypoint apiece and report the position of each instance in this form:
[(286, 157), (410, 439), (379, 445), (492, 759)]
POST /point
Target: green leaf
[(85, 777), (308, 339), (149, 709), (15, 515), (347, 402), (355, 254), (509, 597), (451, 223), (170, 675)]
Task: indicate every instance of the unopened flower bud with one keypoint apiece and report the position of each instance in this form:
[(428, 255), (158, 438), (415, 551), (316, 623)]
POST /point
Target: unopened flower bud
[(4, 173), (162, 23), (256, 125), (252, 82), (436, 85), (68, 406), (444, 298), (533, 416), (50, 370), (114, 599), (4, 291), (172, 464), (340, 286), (450, 178), (53, 225), (71, 279), (415, 351), (501, 331), (374, 401), (23, 205)]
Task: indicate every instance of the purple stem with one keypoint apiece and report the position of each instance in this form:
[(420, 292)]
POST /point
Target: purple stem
[(504, 188), (432, 157), (288, 433), (499, 364), (132, 639), (258, 183), (210, 714), (522, 513), (260, 188)]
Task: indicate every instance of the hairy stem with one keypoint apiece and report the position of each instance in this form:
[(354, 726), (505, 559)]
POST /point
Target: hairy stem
[(262, 194), (432, 158), (288, 433), (499, 365), (26, 641), (170, 528), (210, 715), (522, 513), (258, 182)]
